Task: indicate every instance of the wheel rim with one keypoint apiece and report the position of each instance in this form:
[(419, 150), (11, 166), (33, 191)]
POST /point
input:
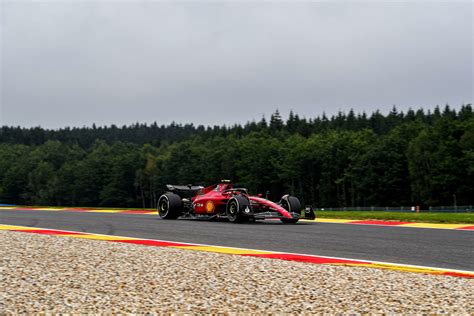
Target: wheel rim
[(285, 205), (164, 207), (232, 214)]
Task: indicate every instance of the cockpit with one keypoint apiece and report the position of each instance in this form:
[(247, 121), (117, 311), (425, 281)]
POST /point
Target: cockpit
[(221, 187)]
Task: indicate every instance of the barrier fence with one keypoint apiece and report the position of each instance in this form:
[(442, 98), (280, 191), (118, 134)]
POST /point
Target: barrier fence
[(434, 209)]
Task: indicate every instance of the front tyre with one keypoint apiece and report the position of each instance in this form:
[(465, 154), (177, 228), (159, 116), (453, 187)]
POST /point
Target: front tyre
[(170, 206), (238, 209), (293, 205)]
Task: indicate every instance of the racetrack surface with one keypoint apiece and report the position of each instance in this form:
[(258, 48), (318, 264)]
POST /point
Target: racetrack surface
[(449, 249)]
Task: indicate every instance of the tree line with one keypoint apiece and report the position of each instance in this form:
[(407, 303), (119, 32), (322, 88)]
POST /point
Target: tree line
[(413, 158)]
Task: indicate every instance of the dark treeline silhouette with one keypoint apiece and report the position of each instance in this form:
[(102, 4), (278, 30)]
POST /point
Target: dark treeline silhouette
[(413, 158), (155, 135)]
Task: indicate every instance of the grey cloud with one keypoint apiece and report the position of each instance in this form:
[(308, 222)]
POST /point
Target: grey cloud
[(213, 63)]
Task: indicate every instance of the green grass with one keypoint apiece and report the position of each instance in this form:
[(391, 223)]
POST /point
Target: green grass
[(451, 218), (90, 207)]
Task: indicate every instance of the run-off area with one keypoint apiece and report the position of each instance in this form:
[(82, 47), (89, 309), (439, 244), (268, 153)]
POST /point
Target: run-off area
[(66, 275)]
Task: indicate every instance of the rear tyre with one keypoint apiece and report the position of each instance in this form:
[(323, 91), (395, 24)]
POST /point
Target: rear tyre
[(291, 204), (236, 208), (170, 206)]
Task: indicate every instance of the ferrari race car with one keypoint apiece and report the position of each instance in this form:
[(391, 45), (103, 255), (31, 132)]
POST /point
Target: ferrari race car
[(224, 201)]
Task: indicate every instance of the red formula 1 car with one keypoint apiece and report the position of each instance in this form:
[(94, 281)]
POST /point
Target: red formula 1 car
[(224, 201)]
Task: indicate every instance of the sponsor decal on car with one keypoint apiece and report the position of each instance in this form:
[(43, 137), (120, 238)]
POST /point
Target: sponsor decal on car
[(210, 206)]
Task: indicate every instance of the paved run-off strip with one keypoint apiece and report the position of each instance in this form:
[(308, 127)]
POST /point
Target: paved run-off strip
[(465, 227), (75, 209), (243, 252), (396, 223)]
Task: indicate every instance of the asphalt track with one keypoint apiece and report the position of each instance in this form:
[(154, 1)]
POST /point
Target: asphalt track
[(440, 248)]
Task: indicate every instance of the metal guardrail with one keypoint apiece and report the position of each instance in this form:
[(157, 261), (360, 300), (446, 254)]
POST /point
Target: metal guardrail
[(431, 209), (452, 209)]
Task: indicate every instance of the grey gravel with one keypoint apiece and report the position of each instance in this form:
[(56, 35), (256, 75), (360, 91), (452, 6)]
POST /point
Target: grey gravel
[(48, 274)]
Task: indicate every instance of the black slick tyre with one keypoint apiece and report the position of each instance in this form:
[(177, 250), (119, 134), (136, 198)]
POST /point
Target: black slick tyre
[(170, 206), (236, 208), (293, 205)]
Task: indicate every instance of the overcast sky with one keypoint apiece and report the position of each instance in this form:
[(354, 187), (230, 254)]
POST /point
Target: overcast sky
[(76, 63)]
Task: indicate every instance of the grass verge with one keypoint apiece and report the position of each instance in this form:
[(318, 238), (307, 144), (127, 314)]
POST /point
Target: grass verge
[(451, 218)]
